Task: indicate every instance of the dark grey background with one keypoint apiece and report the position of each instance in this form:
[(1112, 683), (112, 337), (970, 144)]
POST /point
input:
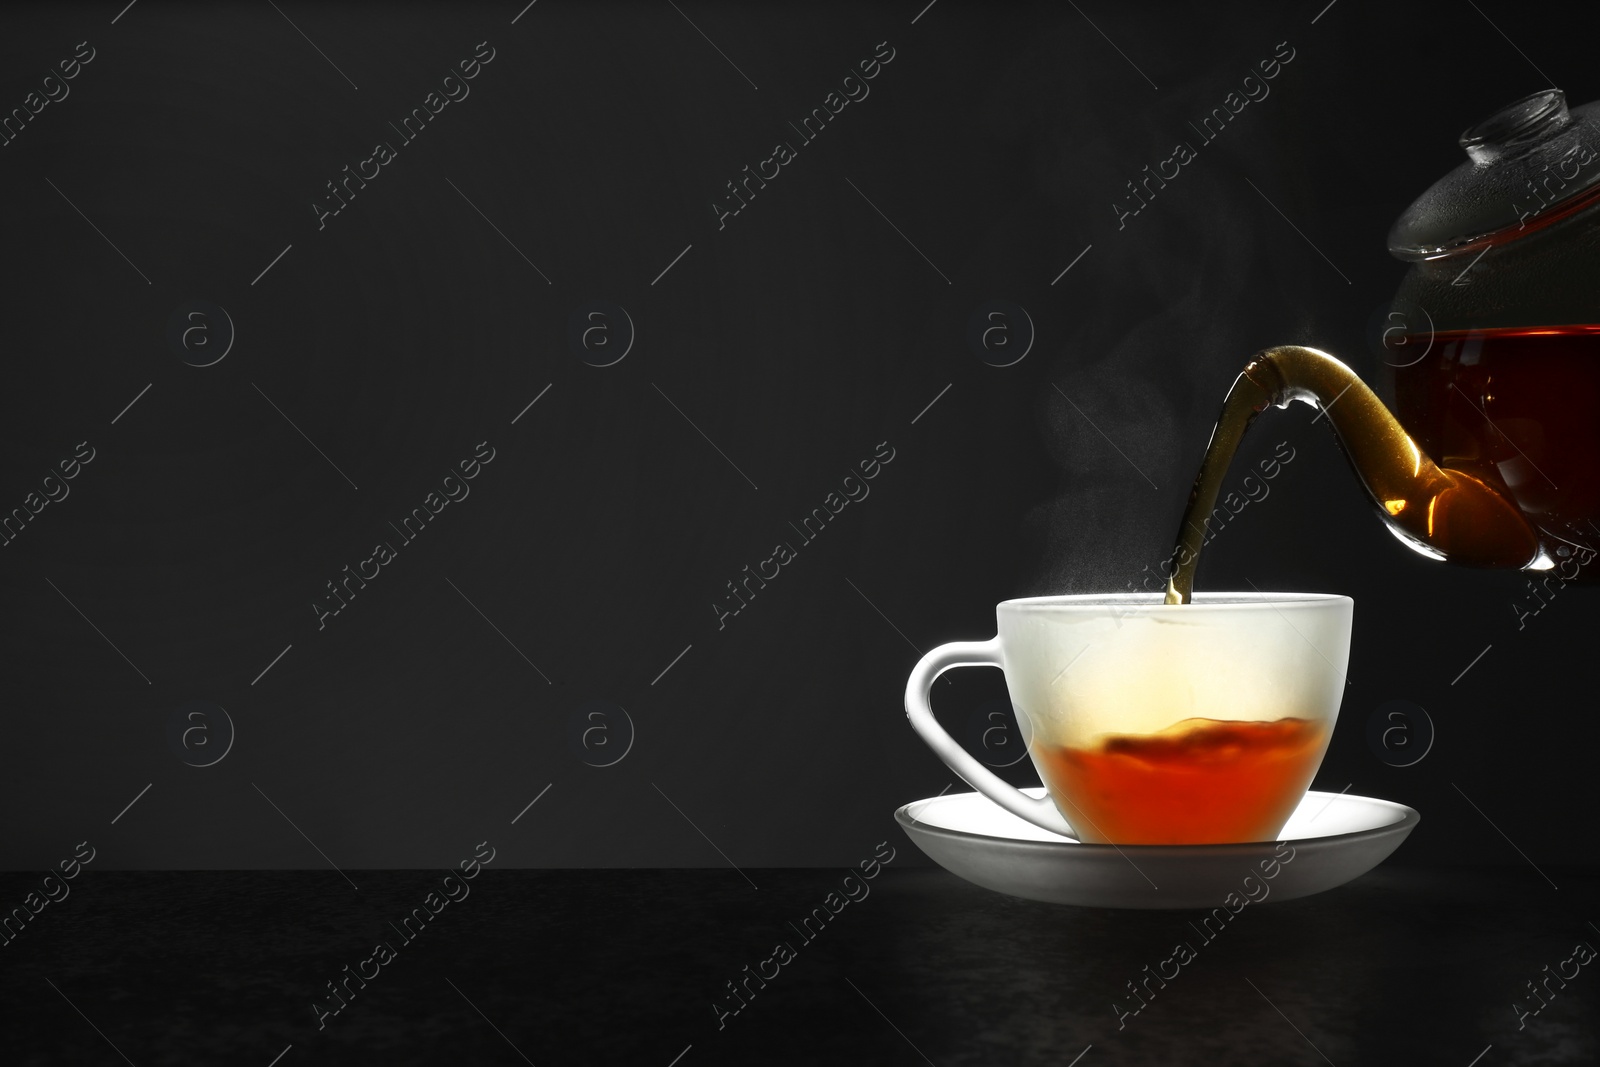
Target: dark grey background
[(796, 339)]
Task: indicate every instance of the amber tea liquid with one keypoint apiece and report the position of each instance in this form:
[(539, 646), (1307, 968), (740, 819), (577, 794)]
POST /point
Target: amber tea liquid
[(1518, 408), (1200, 781)]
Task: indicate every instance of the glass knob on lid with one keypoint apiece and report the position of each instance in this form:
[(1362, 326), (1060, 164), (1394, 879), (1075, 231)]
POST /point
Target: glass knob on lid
[(1528, 165)]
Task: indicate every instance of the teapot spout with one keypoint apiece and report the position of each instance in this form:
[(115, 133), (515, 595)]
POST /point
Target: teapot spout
[(1444, 514)]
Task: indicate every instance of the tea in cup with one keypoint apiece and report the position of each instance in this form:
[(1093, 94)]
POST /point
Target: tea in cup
[(1153, 723)]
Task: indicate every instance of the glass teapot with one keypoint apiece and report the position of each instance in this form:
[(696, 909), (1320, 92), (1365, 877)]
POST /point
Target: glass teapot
[(1494, 341)]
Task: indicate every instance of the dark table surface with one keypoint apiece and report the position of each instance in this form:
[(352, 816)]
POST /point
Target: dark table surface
[(1403, 966)]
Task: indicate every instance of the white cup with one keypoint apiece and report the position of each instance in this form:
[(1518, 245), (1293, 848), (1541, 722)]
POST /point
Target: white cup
[(1086, 670)]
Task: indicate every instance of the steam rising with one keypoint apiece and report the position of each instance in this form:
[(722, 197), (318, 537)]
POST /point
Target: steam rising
[(1109, 521)]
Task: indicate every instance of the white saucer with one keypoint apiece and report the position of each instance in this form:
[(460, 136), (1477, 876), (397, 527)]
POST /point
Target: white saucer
[(1333, 837)]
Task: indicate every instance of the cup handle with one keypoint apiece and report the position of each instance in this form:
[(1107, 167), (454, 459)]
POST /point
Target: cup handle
[(1040, 812)]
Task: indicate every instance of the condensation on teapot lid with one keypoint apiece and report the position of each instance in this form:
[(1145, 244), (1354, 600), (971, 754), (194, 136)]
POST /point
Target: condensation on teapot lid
[(1528, 165)]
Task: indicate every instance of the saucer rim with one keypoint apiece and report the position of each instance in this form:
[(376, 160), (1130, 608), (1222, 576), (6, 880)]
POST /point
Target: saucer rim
[(1409, 819)]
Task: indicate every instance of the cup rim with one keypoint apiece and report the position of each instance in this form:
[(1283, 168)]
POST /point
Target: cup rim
[(1210, 601)]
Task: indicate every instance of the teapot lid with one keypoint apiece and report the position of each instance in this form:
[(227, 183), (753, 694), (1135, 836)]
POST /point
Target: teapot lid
[(1528, 164)]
